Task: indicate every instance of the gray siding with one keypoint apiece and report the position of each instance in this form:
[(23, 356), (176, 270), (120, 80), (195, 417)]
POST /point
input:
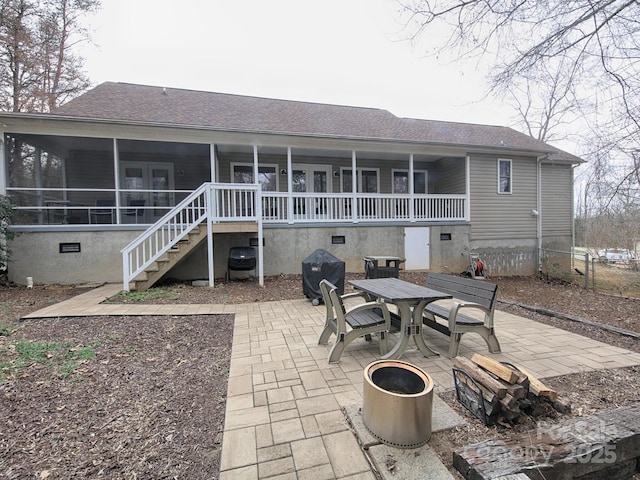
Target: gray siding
[(447, 176), (497, 216), (557, 216)]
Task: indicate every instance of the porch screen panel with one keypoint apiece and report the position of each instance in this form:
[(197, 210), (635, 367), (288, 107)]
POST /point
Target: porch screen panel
[(160, 182), (31, 168)]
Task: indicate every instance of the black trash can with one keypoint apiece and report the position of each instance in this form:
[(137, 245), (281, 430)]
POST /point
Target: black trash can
[(241, 259), (318, 266)]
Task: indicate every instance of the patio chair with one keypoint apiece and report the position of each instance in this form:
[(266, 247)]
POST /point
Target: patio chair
[(360, 320), (135, 212), (101, 212)]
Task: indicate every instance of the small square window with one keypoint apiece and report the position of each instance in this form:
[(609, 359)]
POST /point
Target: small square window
[(504, 176), (445, 236), (338, 240)]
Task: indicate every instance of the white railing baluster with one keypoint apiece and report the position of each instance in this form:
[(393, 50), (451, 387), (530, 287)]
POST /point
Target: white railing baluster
[(237, 202)]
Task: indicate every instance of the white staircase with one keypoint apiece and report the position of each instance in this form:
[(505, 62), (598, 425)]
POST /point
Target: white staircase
[(172, 238)]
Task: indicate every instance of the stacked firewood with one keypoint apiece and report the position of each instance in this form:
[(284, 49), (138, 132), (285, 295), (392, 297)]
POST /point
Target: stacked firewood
[(498, 392)]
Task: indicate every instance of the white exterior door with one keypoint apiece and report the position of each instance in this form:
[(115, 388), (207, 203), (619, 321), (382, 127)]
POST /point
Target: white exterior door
[(311, 179), (156, 182), (416, 248)]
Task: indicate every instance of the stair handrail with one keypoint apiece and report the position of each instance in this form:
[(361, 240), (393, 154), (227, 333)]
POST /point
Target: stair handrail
[(175, 225), (165, 233)]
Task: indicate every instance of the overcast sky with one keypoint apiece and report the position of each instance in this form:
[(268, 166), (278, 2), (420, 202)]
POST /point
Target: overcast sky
[(347, 52)]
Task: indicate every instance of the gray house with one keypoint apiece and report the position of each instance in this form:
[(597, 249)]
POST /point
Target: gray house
[(131, 182)]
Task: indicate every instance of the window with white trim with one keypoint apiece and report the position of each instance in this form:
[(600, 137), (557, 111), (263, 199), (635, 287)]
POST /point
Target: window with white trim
[(267, 175), (368, 180), (401, 181), (504, 176)]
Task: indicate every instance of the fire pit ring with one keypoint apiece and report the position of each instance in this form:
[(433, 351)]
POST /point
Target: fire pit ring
[(397, 403)]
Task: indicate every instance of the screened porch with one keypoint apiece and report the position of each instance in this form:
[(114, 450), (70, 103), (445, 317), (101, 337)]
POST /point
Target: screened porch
[(104, 182)]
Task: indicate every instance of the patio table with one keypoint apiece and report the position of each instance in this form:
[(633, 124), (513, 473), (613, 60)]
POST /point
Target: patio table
[(410, 299)]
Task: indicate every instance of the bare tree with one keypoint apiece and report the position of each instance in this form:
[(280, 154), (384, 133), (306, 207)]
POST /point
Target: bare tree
[(600, 39), (38, 69), (545, 101), (565, 65)]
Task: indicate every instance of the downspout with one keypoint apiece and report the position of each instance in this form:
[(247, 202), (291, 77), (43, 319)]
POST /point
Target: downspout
[(539, 209), (573, 209)]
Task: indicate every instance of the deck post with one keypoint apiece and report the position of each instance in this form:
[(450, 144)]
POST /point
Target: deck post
[(209, 199)]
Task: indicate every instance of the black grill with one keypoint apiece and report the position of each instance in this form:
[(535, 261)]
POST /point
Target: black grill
[(318, 266)]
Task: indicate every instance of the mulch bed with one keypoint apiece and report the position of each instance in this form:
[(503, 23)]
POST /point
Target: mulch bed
[(151, 402)]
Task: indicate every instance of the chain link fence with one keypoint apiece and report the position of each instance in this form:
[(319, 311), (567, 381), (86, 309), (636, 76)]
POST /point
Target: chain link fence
[(594, 273)]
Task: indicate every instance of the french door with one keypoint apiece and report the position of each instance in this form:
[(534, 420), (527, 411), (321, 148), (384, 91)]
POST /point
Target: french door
[(310, 179), (150, 185)]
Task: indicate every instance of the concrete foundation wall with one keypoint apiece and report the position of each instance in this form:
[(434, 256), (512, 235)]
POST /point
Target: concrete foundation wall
[(449, 248), (36, 254)]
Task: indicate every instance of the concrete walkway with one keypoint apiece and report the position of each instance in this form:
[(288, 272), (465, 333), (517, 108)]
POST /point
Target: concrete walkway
[(284, 417)]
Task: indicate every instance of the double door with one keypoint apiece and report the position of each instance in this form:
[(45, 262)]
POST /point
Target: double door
[(311, 179), (148, 187)]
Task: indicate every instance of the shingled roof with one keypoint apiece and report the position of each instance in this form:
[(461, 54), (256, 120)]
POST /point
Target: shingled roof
[(220, 111)]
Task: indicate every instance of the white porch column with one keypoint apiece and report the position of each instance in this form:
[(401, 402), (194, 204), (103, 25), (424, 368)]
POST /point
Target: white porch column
[(258, 212), (467, 202), (37, 170), (213, 162), (289, 186), (255, 164), (354, 187), (116, 173), (411, 191)]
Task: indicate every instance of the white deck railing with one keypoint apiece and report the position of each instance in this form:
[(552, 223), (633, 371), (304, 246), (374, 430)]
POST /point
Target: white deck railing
[(279, 207), (224, 202), (164, 234), (210, 203), (237, 202)]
